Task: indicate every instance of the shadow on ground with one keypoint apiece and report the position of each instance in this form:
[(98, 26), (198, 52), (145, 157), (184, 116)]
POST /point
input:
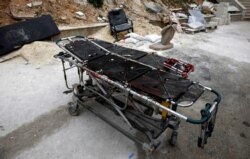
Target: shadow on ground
[(28, 135)]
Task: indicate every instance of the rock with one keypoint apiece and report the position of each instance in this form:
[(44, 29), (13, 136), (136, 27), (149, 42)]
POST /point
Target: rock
[(63, 18), (80, 15), (22, 15), (99, 19), (154, 7), (193, 5), (81, 2), (104, 19), (29, 5), (37, 3), (34, 4), (138, 2)]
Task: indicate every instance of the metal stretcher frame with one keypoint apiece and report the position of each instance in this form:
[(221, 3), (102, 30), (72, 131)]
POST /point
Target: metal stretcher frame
[(208, 114)]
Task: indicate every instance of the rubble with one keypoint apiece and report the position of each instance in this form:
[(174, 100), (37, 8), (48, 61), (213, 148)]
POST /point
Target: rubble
[(37, 3), (29, 5), (208, 7), (81, 2), (153, 7), (34, 4), (99, 19), (80, 15), (22, 15)]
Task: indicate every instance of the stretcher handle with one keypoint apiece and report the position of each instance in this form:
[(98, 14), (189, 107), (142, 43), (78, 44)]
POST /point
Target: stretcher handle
[(207, 111), (205, 115), (218, 96)]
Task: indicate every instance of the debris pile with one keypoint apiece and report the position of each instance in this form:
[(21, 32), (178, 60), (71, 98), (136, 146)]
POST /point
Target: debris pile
[(203, 16), (77, 12)]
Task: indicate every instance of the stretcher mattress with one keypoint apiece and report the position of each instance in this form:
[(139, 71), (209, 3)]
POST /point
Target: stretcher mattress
[(118, 68), (123, 51)]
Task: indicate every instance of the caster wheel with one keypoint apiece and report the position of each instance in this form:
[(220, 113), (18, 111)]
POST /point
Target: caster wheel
[(73, 109), (173, 139)]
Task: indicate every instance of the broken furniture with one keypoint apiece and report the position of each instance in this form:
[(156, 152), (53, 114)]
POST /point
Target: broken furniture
[(16, 35), (167, 35), (119, 22), (133, 86)]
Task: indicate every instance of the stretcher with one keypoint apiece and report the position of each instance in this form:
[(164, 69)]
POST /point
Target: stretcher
[(137, 87)]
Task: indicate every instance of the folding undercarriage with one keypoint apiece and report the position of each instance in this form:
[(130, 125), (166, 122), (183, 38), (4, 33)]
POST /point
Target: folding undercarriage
[(137, 87)]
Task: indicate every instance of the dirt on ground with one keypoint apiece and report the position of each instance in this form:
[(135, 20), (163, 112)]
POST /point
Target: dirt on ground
[(5, 17), (64, 11)]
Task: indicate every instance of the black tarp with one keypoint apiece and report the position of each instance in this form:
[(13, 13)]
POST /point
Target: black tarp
[(16, 35)]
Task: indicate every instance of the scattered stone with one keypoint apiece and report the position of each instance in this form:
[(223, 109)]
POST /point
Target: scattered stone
[(29, 5), (153, 7), (22, 15), (99, 19), (80, 15), (193, 5), (37, 3), (63, 18), (81, 2), (104, 19), (34, 4), (138, 2)]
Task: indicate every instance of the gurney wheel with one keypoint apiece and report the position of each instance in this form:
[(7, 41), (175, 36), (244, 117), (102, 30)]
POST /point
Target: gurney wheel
[(73, 109), (173, 139)]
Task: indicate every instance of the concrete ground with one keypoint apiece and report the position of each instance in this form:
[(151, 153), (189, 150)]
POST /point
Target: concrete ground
[(34, 122)]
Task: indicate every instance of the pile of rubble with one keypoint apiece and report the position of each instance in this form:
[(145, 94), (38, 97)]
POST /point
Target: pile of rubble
[(203, 16), (66, 12)]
